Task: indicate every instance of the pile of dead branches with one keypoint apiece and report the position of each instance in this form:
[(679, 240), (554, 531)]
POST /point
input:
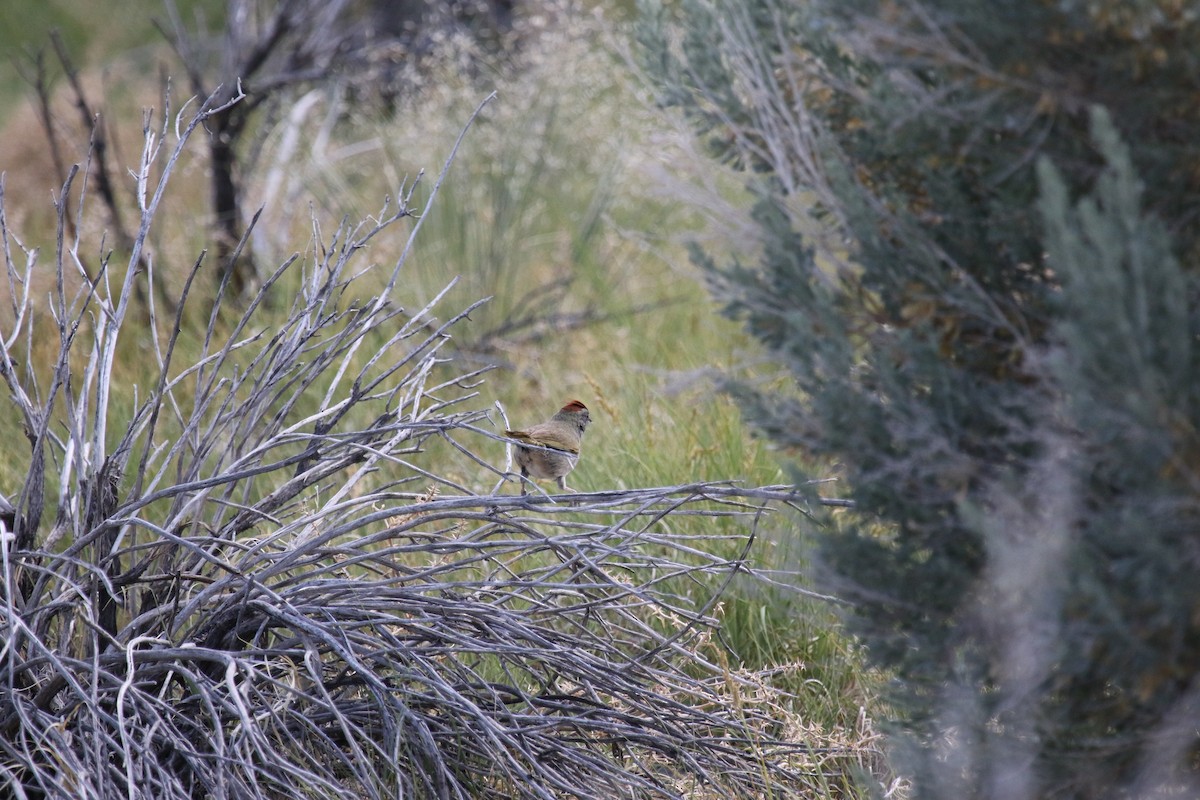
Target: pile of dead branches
[(258, 583)]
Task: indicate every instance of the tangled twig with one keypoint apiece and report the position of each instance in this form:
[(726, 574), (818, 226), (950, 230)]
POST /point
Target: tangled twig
[(261, 585)]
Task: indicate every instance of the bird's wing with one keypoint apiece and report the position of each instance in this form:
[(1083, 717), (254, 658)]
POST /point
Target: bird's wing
[(543, 438)]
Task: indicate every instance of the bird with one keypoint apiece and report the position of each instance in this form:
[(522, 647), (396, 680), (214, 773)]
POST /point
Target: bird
[(554, 449)]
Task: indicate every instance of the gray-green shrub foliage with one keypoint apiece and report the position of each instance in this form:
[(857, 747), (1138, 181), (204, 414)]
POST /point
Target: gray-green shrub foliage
[(977, 260)]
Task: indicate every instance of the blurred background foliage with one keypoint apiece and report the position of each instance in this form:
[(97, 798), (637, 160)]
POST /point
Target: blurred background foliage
[(992, 328)]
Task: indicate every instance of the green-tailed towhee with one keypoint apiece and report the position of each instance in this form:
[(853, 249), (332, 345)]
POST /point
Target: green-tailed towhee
[(561, 435)]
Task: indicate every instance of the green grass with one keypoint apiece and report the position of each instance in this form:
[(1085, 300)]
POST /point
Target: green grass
[(92, 36)]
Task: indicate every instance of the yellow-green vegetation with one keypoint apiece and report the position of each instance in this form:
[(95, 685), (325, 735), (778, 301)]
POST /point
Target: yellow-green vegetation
[(95, 39), (550, 211)]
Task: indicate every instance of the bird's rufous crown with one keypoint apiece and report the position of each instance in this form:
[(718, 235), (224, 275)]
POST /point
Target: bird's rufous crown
[(574, 406)]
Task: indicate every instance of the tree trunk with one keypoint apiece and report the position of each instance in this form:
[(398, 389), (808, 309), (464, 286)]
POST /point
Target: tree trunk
[(240, 268)]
